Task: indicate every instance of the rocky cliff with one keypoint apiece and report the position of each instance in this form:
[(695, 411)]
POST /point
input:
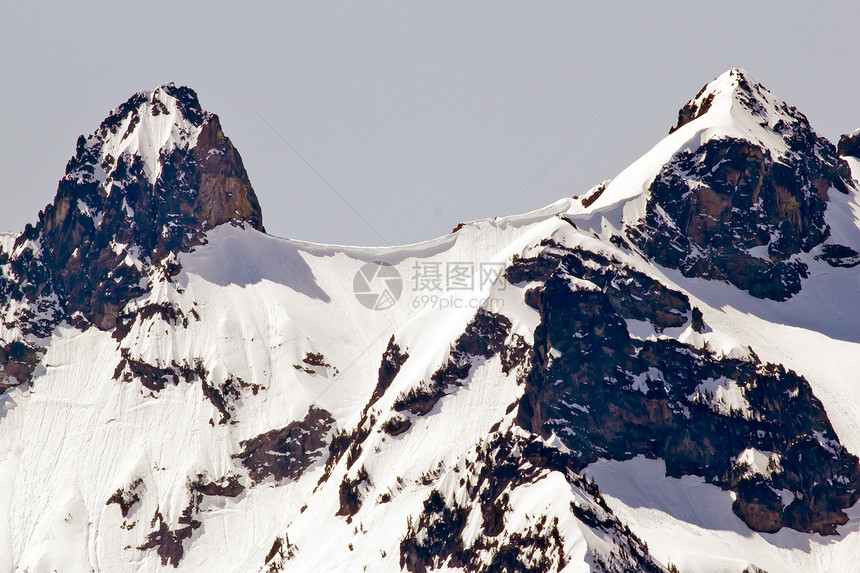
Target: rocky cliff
[(739, 204), (146, 186)]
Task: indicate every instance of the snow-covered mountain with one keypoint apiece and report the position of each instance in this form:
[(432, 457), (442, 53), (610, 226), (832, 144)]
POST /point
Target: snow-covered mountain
[(657, 374)]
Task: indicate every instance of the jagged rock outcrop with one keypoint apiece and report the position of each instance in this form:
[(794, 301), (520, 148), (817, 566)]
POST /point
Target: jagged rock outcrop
[(741, 205), (155, 176), (849, 145), (488, 479), (146, 185), (484, 337), (754, 428), (284, 453)]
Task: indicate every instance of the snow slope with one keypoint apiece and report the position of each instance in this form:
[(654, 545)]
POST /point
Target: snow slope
[(263, 303), (282, 316)]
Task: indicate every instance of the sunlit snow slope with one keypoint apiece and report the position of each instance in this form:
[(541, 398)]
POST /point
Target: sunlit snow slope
[(656, 373)]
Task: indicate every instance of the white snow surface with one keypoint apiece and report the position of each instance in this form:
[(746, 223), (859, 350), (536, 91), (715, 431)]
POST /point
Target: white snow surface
[(75, 435), (690, 523), (723, 396)]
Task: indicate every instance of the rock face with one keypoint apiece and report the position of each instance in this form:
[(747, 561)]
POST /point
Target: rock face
[(740, 208), (436, 538), (754, 428), (285, 453), (484, 338), (146, 185), (155, 176), (849, 145)]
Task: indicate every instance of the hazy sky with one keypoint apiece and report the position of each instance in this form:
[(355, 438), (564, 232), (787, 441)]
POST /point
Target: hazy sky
[(420, 116)]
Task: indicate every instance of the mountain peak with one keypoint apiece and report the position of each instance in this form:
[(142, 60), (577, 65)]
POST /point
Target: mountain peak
[(735, 99), (162, 165), (156, 175), (147, 125), (745, 191)]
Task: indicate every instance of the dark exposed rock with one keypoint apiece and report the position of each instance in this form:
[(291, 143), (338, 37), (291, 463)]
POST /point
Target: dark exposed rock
[(25, 280), (594, 195), (169, 313), (223, 396), (760, 506), (693, 109), (630, 293), (224, 191), (709, 207), (126, 498), (419, 400), (154, 378), (167, 542), (227, 486), (95, 230), (435, 539), (170, 542), (749, 93), (18, 359), (281, 552), (515, 354), (839, 256), (849, 145), (348, 443), (620, 242), (440, 527), (115, 225), (315, 359), (698, 322), (392, 360), (396, 425), (276, 548), (483, 337), (350, 493), (314, 363), (285, 453), (605, 394)]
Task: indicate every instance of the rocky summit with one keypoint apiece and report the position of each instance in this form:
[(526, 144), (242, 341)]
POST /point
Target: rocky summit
[(143, 188), (654, 375), (749, 198)]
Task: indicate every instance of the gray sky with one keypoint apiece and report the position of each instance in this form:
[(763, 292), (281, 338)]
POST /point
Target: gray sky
[(420, 116)]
